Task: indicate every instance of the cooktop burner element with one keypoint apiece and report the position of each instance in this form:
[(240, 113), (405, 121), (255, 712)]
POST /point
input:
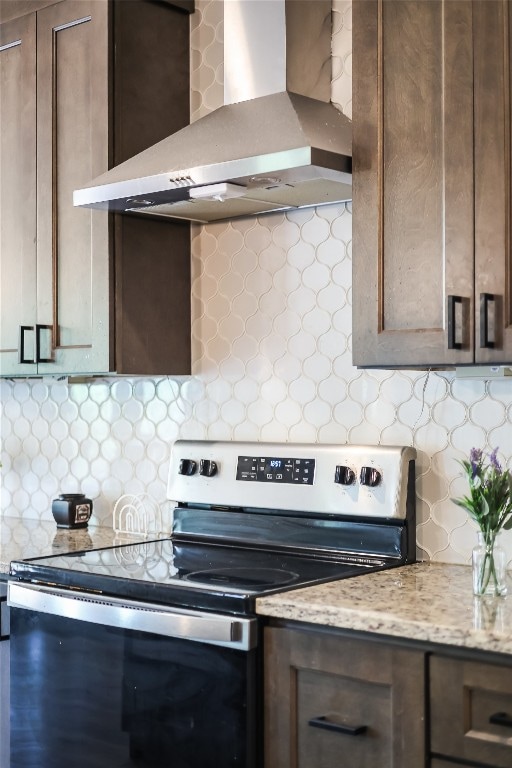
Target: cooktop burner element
[(252, 578)]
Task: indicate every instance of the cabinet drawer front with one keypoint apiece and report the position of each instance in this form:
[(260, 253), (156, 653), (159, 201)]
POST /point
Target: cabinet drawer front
[(471, 711), (337, 715)]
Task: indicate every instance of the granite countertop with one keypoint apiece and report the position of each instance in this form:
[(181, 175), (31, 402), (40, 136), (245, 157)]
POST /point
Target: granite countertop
[(429, 602), (23, 538)]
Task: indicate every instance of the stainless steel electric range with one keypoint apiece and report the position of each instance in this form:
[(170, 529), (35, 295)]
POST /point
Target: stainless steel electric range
[(149, 654)]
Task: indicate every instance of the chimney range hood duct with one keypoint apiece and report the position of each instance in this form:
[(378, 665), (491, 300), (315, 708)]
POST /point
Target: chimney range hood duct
[(276, 144)]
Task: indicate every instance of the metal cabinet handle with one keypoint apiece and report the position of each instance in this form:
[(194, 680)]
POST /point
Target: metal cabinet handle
[(485, 300), (323, 722), (38, 330), (501, 718), (21, 347), (452, 322)]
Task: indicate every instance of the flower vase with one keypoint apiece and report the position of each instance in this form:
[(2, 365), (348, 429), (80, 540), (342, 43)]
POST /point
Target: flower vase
[(489, 566)]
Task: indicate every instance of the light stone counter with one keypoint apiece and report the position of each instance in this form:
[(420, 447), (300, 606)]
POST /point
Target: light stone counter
[(429, 602), (22, 538)]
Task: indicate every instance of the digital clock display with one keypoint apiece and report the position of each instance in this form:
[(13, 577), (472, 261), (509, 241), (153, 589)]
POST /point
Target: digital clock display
[(271, 469)]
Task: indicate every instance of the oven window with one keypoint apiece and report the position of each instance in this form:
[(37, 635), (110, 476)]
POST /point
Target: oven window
[(89, 696)]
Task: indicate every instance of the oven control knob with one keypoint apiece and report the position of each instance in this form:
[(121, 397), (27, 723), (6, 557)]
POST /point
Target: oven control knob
[(187, 467), (207, 468), (344, 475), (370, 476)]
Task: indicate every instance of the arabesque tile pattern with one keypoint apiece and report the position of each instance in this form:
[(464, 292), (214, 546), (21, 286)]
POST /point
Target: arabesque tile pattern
[(271, 343)]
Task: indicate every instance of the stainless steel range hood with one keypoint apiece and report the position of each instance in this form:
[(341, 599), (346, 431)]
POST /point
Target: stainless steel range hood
[(277, 143)]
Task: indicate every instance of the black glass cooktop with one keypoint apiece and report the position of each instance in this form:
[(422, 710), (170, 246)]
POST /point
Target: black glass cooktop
[(196, 575)]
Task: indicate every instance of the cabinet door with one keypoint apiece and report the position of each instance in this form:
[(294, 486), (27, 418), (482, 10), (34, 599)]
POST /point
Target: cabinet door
[(413, 251), (72, 148), (17, 191), (334, 702), (493, 180)]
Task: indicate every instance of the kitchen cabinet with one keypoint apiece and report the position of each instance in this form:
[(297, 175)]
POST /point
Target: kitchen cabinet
[(336, 698), (432, 182), (333, 700), (85, 84), (471, 711)]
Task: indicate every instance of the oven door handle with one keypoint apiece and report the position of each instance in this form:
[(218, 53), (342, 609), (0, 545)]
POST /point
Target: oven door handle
[(198, 626)]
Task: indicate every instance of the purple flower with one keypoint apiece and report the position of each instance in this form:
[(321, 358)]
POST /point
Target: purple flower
[(489, 502), (494, 461), (475, 457)]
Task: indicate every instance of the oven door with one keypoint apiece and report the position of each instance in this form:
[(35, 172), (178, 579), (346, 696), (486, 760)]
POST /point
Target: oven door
[(110, 683)]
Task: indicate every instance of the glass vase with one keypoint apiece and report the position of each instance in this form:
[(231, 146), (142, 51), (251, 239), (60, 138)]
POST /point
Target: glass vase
[(489, 566)]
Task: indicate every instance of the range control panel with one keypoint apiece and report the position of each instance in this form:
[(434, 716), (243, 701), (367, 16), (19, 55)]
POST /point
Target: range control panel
[(273, 469), (368, 481)]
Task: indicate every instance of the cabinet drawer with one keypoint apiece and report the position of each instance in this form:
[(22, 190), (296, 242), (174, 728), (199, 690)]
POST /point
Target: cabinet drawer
[(471, 711), (337, 715)]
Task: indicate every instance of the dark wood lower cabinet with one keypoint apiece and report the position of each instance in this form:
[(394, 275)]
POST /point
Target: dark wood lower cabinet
[(337, 701), (471, 712)]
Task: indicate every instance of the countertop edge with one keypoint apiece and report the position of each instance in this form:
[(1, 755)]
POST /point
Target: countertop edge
[(425, 602)]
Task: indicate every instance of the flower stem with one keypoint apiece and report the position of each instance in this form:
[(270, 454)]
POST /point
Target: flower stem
[(487, 573)]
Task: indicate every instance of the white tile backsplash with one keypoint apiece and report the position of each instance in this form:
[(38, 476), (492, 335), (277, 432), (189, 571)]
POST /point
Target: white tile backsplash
[(271, 344)]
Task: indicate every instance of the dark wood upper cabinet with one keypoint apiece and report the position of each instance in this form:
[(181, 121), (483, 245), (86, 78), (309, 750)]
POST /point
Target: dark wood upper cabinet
[(432, 182), (85, 85)]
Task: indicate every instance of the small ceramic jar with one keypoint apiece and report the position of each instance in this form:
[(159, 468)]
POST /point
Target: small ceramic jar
[(72, 510)]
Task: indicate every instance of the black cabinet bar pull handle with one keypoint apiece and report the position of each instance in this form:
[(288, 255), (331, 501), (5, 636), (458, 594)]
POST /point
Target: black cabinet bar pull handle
[(40, 359), (452, 322), (485, 300), (501, 718), (21, 356), (323, 722)]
